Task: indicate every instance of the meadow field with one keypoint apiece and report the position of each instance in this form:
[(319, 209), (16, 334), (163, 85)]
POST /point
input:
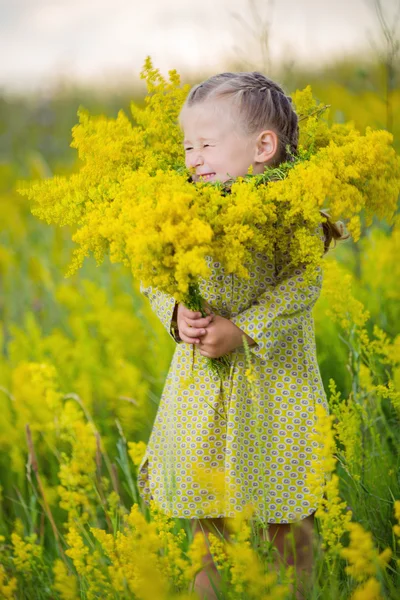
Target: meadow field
[(82, 365)]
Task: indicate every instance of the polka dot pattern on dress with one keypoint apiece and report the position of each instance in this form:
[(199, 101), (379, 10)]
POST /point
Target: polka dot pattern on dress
[(215, 446)]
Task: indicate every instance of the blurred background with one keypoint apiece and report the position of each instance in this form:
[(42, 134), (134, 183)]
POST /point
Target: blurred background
[(103, 45), (87, 350), (58, 55)]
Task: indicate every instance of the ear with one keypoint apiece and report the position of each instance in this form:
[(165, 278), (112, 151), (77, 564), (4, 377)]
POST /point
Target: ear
[(266, 146)]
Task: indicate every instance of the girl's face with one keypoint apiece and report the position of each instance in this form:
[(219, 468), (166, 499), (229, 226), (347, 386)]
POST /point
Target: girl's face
[(216, 148)]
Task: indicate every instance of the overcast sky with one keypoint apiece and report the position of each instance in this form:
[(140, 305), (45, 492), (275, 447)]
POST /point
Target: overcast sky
[(106, 40)]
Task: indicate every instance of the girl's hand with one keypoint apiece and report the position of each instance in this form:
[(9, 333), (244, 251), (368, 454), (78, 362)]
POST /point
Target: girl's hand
[(191, 325), (222, 336)]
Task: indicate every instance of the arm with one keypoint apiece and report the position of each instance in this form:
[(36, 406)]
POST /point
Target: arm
[(165, 307), (277, 310), (280, 309)]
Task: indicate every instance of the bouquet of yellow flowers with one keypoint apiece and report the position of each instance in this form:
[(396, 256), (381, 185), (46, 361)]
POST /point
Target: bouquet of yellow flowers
[(133, 199)]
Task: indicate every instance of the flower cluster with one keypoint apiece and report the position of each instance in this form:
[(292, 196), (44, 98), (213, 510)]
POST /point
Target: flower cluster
[(323, 483), (76, 474), (132, 197), (7, 586)]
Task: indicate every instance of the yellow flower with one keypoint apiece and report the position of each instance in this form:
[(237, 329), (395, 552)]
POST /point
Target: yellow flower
[(65, 584), (27, 554), (324, 448), (396, 528), (77, 470), (343, 308), (323, 483), (8, 586), (195, 554), (135, 558), (347, 427), (136, 452), (132, 199), (218, 551), (364, 560), (88, 564), (371, 590)]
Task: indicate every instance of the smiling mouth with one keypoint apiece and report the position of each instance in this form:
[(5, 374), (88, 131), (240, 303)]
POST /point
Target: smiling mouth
[(206, 176)]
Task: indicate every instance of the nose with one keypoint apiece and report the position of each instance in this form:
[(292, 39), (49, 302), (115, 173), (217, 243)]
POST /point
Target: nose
[(195, 159)]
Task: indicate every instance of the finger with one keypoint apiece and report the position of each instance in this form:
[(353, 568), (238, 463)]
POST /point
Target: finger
[(199, 323), (207, 308), (192, 332), (205, 353), (189, 340), (191, 314)]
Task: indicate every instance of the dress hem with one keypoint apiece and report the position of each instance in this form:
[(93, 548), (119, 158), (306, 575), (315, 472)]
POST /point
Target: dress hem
[(145, 493)]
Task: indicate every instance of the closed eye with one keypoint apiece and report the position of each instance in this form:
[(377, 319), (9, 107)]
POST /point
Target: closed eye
[(191, 148)]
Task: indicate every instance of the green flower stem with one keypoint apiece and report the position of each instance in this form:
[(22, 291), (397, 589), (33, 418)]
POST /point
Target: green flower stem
[(193, 300)]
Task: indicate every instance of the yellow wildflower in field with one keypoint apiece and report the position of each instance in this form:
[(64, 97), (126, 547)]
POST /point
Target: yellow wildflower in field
[(396, 528), (347, 427), (107, 338), (8, 586), (65, 583), (378, 267), (237, 559), (246, 571), (27, 554), (197, 551), (371, 590), (37, 402), (173, 562), (248, 577), (132, 197), (148, 557), (390, 391), (78, 467), (343, 308), (324, 484), (88, 564), (134, 555), (364, 560), (365, 377), (218, 551), (334, 516), (324, 447), (387, 349), (136, 451)]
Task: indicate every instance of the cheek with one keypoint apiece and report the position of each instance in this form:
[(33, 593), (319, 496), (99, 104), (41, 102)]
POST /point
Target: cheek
[(223, 157), (242, 156), (233, 159)]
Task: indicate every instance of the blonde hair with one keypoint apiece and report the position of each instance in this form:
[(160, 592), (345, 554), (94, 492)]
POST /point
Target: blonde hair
[(332, 231), (261, 102)]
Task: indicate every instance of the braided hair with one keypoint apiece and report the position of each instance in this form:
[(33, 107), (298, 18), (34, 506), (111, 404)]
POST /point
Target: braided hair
[(261, 103)]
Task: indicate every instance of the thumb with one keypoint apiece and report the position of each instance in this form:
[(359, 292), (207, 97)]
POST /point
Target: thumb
[(191, 314), (207, 308)]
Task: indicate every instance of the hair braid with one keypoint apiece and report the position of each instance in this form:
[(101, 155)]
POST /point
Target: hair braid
[(263, 103)]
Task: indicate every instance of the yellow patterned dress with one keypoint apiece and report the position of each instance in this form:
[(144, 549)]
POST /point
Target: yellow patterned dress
[(218, 445)]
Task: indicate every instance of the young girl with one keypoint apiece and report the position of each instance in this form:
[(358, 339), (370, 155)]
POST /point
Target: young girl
[(232, 121)]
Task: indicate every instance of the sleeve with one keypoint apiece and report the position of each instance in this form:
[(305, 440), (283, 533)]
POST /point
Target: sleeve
[(280, 309), (163, 305)]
